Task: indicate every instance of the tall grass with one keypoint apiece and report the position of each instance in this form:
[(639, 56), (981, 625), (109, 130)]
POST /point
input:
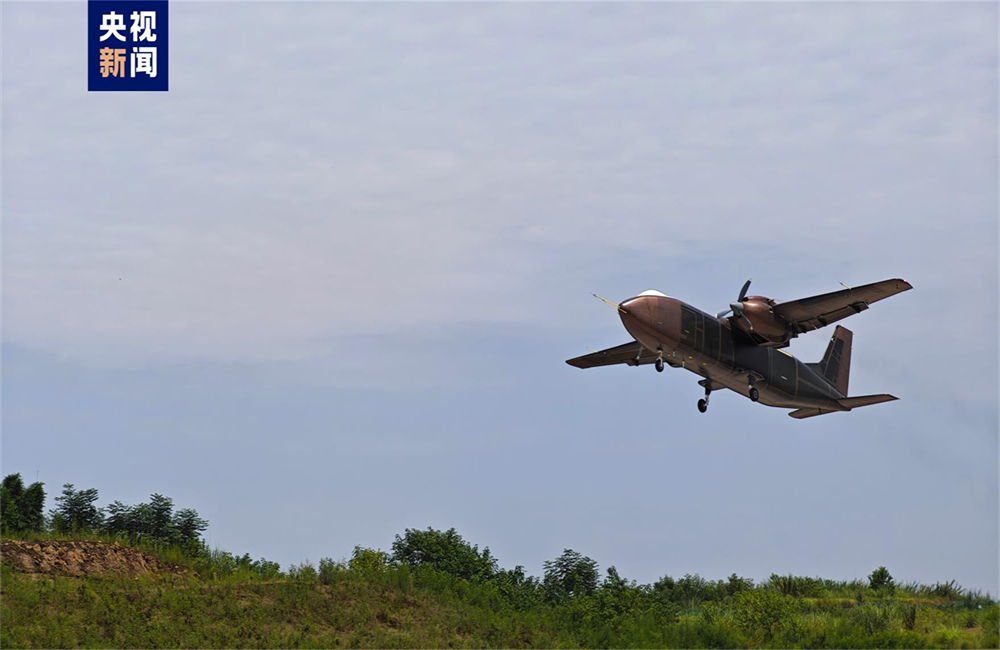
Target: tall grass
[(230, 601)]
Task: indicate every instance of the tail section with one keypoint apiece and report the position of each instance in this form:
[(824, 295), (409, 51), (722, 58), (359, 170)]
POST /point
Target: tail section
[(847, 404), (836, 364), (865, 400), (836, 369)]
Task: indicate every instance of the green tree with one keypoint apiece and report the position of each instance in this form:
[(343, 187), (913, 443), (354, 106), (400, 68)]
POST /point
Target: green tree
[(446, 552), (75, 510), (570, 575), (33, 507), (518, 589), (881, 580), (161, 518), (118, 519), (10, 503), (188, 526)]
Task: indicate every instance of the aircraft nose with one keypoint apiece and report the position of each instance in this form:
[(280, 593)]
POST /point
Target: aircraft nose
[(640, 308), (652, 318)]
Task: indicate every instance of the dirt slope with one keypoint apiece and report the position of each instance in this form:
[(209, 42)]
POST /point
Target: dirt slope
[(78, 558)]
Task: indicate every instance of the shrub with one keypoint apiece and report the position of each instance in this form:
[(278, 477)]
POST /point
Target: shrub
[(909, 616), (948, 590), (762, 612), (329, 569), (304, 572), (797, 586), (368, 560), (872, 618)]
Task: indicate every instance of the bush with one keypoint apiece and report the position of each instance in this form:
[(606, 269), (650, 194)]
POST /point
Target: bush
[(304, 572), (691, 590), (762, 612), (796, 586), (329, 569), (368, 560), (948, 590), (872, 618)]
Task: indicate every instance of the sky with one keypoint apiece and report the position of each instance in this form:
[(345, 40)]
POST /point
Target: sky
[(323, 289)]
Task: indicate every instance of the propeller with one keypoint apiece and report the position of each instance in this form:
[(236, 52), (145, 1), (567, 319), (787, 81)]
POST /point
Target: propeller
[(737, 307)]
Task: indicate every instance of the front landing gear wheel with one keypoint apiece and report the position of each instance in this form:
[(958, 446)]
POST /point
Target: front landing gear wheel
[(659, 365), (702, 405), (754, 395)]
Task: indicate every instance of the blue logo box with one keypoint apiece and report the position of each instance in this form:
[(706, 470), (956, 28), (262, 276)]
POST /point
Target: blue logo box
[(127, 45)]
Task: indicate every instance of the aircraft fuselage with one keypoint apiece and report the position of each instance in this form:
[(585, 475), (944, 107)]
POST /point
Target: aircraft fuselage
[(710, 347)]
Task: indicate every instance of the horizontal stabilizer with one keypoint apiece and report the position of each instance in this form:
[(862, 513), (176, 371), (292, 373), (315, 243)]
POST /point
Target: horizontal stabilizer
[(801, 414), (865, 400)]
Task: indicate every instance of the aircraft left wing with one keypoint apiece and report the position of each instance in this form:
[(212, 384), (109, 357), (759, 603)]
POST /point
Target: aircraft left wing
[(631, 354), (819, 311)]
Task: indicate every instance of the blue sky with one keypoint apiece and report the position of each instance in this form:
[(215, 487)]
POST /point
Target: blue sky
[(322, 290)]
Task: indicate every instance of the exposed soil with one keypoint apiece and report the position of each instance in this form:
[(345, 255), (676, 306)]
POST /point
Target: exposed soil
[(79, 558)]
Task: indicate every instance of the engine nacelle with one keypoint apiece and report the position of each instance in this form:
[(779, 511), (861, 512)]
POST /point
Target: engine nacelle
[(767, 327)]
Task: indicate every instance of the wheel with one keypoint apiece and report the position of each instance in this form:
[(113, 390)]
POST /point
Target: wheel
[(754, 395), (702, 405), (659, 365)]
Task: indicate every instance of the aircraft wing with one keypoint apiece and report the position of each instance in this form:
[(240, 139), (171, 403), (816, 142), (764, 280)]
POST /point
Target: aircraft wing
[(819, 311), (626, 354)]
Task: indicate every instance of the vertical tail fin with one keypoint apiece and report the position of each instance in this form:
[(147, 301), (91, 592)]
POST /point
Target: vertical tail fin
[(836, 364)]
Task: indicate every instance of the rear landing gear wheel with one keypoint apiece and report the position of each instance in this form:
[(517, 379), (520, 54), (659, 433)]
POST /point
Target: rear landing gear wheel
[(754, 394), (702, 405), (659, 365)]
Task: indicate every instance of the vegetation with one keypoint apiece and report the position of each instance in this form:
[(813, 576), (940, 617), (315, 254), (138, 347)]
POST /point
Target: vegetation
[(435, 589)]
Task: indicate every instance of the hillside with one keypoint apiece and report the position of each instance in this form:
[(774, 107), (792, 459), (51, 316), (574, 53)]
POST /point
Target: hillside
[(76, 593)]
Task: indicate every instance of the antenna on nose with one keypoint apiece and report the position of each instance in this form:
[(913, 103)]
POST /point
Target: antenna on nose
[(609, 303)]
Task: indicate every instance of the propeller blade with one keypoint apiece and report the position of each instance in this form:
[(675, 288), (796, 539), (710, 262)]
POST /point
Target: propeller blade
[(748, 322), (723, 313), (743, 291)]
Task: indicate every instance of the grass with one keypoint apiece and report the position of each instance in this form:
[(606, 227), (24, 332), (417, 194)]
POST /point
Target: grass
[(223, 602)]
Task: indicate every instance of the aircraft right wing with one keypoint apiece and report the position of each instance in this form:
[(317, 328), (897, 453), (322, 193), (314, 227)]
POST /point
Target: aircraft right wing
[(631, 354)]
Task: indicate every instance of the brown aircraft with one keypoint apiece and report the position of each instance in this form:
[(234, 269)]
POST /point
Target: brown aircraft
[(743, 352)]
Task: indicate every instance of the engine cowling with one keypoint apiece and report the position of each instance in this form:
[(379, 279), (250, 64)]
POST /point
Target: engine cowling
[(761, 323)]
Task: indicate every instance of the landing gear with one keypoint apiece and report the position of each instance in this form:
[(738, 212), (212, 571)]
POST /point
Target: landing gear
[(754, 395), (659, 362), (703, 403)]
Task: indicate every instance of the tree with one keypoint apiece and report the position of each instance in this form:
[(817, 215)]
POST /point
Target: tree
[(521, 591), (570, 575), (446, 552), (10, 503), (188, 526), (33, 507), (161, 518), (881, 580), (75, 510), (118, 519)]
